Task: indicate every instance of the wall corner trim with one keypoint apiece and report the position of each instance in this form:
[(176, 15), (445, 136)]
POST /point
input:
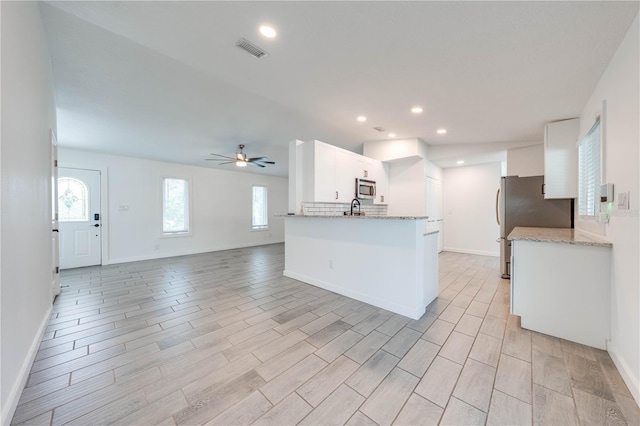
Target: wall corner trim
[(16, 391), (625, 371)]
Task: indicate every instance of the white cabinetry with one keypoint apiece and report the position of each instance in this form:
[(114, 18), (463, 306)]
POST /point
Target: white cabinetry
[(345, 174), (562, 290), (378, 172), (561, 159), (381, 176), (434, 209), (330, 172), (324, 173)]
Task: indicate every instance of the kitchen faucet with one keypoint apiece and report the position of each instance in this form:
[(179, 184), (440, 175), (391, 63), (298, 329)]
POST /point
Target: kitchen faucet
[(353, 203)]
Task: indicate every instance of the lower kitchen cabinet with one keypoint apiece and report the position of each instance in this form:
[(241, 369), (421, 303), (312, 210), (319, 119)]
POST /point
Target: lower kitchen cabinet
[(562, 289)]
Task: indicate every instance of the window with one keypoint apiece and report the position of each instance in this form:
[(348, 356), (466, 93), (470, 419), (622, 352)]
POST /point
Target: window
[(589, 172), (73, 200), (175, 206), (259, 218)]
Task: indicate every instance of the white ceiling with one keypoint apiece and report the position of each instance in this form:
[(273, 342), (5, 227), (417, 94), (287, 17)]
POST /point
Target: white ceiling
[(163, 80)]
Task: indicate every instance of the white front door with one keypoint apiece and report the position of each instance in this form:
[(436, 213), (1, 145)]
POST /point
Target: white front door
[(79, 217)]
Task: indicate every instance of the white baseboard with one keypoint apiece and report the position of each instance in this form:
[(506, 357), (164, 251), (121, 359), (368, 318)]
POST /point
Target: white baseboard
[(186, 252), (478, 252), (408, 311), (16, 390), (625, 371)]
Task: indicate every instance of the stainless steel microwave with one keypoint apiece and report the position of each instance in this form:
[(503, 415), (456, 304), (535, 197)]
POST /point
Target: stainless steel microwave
[(365, 189)]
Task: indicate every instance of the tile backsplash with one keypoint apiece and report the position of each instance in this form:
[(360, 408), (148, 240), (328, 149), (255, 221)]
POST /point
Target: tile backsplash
[(337, 209)]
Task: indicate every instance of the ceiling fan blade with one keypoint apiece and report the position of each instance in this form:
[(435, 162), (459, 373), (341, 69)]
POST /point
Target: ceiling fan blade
[(258, 158), (223, 156), (256, 164), (227, 162), (267, 162)]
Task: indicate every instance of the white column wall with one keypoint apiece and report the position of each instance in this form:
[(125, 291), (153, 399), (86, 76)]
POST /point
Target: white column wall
[(407, 187), (28, 113)]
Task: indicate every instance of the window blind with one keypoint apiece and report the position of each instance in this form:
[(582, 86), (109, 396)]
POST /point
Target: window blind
[(175, 206), (589, 172), (259, 218)]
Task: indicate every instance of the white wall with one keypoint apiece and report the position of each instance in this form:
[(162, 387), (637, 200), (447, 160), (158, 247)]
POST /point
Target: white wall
[(432, 170), (28, 112), (408, 170), (469, 209), (526, 161), (221, 207), (407, 187), (394, 149), (619, 87)]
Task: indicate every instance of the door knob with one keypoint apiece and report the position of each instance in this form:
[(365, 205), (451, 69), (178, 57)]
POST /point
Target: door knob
[(97, 225)]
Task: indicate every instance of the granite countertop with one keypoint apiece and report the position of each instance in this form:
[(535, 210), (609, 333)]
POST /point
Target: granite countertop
[(557, 235), (354, 217)]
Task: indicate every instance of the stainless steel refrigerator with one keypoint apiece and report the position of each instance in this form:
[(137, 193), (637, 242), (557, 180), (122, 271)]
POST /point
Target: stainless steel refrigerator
[(520, 202)]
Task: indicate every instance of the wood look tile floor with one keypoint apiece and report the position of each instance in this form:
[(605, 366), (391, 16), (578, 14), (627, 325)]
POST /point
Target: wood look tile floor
[(223, 338)]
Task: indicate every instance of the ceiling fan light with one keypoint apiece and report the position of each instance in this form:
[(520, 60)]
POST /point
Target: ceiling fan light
[(241, 163)]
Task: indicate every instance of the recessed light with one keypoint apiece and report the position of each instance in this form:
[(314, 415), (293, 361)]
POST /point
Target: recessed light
[(267, 31), (416, 110), (361, 118), (441, 131), (460, 162), (392, 135)]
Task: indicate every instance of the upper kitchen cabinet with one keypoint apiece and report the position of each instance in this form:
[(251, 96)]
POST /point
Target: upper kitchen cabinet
[(323, 169), (381, 176), (347, 168), (329, 173), (377, 171), (322, 173), (561, 159)]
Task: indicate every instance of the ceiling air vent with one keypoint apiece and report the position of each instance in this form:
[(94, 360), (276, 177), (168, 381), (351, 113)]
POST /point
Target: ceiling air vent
[(251, 48), (379, 129)]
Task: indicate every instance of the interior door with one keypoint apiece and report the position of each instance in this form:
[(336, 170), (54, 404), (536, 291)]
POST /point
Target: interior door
[(79, 217), (55, 234)]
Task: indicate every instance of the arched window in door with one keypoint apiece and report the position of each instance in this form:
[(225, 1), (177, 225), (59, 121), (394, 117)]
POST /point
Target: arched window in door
[(73, 200)]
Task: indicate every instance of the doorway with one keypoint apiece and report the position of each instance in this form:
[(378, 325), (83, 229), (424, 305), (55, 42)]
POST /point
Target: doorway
[(79, 217)]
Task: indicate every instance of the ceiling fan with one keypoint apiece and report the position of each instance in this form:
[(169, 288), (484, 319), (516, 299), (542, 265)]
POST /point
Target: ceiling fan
[(241, 159)]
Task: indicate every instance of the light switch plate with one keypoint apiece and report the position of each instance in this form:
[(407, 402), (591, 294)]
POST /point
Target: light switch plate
[(623, 200)]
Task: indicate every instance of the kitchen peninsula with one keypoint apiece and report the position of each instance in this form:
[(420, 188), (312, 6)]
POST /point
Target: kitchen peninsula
[(386, 261)]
